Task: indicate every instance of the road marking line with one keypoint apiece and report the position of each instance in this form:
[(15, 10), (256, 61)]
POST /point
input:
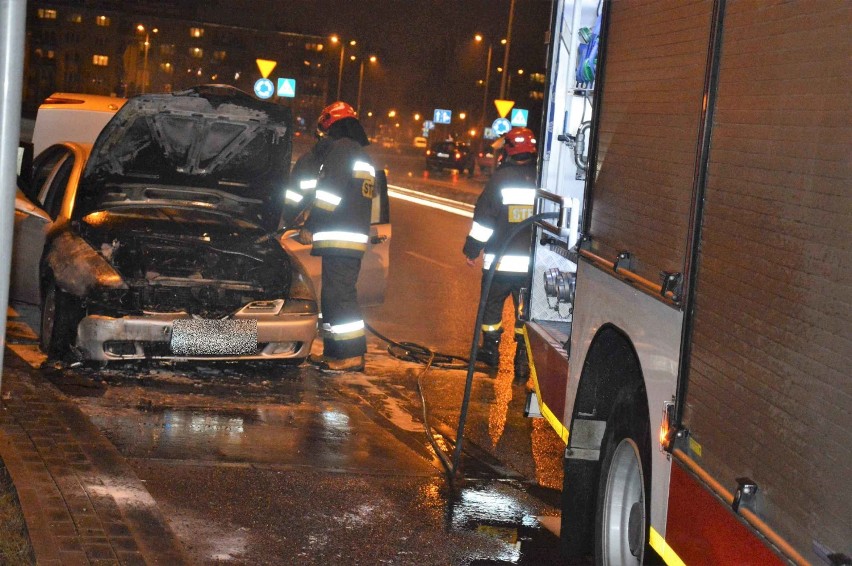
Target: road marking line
[(430, 260), (445, 204)]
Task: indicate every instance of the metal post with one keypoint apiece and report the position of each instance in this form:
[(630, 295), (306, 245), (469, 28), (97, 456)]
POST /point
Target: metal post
[(506, 53), (360, 84), (340, 69), (145, 64), (485, 94), (12, 29)]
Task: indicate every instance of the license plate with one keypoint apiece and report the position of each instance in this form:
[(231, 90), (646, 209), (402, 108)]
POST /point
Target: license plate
[(443, 154), (200, 337)]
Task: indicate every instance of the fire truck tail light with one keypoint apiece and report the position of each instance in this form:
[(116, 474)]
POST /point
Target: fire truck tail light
[(667, 429)]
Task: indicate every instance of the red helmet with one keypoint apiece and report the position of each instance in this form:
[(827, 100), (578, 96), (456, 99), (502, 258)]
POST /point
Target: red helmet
[(334, 112), (518, 141)]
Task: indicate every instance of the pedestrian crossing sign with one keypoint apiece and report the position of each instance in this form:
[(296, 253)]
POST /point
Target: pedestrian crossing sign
[(519, 117), (287, 88)]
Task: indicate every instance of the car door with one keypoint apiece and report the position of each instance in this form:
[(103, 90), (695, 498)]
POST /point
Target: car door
[(372, 280), (37, 205)]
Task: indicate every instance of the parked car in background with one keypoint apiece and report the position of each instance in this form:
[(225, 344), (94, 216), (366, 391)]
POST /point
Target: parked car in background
[(450, 155), (156, 242), (486, 160)]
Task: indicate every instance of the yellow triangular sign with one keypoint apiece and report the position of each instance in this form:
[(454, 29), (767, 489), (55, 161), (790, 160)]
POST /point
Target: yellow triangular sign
[(265, 66), (503, 106)]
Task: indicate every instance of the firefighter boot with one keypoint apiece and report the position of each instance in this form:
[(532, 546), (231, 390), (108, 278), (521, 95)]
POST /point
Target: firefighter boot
[(522, 365), (489, 350)]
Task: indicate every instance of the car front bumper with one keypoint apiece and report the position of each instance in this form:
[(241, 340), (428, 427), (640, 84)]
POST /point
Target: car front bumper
[(102, 338)]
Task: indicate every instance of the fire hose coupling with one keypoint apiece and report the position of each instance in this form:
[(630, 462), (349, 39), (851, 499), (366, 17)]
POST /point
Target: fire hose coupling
[(746, 490), (560, 285)]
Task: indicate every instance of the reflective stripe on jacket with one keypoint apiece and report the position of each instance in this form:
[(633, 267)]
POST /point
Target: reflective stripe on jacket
[(506, 200), (343, 199)]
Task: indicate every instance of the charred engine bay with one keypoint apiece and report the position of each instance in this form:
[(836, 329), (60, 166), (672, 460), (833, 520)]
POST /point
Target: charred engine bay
[(172, 262)]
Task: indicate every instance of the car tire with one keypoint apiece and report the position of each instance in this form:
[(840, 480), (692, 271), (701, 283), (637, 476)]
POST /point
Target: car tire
[(60, 314), (622, 517)]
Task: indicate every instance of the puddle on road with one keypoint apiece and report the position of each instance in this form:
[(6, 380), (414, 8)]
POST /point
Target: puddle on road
[(504, 513), (315, 433)]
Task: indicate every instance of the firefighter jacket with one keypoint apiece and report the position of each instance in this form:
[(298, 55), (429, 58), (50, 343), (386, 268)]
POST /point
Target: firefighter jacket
[(299, 195), (343, 200), (506, 200)]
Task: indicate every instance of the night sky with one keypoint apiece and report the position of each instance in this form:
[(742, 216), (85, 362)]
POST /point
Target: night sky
[(427, 56)]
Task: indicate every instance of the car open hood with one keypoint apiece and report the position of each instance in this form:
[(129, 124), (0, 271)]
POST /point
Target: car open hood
[(214, 139)]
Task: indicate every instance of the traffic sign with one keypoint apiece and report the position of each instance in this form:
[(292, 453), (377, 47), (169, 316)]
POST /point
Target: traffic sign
[(265, 67), (503, 107), (287, 88), (428, 125), (519, 117), (501, 126), (263, 88), (442, 116), (489, 134)]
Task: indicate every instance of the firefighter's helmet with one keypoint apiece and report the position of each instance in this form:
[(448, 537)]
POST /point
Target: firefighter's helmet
[(518, 141), (334, 112)]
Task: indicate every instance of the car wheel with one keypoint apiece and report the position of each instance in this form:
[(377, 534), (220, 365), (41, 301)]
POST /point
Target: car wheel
[(60, 314), (622, 518)]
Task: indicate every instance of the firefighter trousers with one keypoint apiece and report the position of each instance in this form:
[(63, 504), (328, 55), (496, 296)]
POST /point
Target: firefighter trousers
[(502, 286), (343, 323)]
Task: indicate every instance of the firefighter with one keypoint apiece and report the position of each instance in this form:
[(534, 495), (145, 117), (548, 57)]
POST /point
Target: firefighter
[(506, 200), (338, 227), (299, 195)]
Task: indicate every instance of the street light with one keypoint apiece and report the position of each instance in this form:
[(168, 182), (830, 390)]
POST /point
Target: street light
[(353, 43), (140, 28), (506, 52), (478, 37), (372, 59)]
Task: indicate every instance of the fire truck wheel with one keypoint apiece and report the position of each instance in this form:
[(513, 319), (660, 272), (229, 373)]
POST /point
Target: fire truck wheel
[(621, 522)]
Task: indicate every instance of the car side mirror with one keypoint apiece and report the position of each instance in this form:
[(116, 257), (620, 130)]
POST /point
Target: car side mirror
[(382, 196), (24, 169)]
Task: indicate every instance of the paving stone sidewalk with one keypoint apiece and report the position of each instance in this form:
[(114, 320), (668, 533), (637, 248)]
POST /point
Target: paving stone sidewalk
[(81, 501)]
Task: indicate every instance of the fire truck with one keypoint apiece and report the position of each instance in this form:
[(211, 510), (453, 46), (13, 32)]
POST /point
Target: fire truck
[(688, 313)]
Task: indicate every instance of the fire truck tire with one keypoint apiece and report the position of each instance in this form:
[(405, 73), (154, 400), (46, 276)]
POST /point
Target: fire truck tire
[(623, 510)]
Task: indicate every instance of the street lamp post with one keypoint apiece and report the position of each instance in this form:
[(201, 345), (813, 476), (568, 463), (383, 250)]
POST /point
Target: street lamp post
[(487, 81), (361, 82), (335, 39), (506, 52), (140, 28)]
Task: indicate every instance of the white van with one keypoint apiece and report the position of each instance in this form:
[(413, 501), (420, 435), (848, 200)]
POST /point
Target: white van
[(55, 124)]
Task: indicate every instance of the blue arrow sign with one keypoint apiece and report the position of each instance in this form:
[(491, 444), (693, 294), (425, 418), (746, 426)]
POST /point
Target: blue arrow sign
[(519, 117), (501, 126), (263, 88), (428, 124), (442, 116), (287, 88)]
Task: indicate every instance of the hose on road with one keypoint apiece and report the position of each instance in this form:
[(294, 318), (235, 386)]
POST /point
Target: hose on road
[(415, 352)]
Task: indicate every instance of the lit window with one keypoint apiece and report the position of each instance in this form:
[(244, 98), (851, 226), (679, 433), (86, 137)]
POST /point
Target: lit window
[(196, 32), (102, 21), (75, 18), (46, 14), (167, 49), (219, 55), (50, 54), (100, 60), (196, 52), (167, 68)]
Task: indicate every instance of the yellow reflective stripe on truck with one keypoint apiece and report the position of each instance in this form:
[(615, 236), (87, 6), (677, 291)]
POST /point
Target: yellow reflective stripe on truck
[(548, 415), (659, 544)]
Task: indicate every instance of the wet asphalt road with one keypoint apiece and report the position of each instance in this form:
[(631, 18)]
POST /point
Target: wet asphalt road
[(270, 464)]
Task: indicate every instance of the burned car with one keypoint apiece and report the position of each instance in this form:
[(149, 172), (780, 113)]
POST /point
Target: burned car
[(154, 242)]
